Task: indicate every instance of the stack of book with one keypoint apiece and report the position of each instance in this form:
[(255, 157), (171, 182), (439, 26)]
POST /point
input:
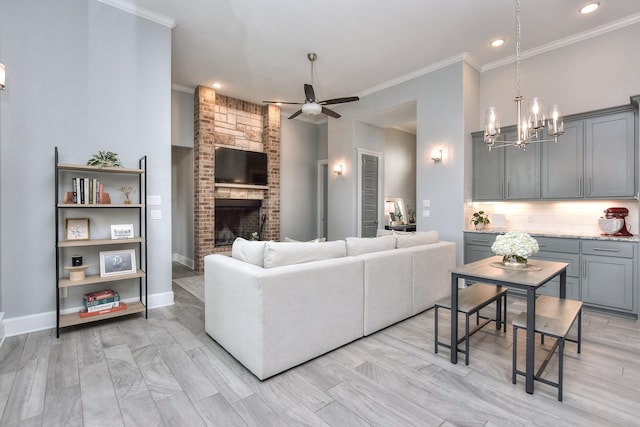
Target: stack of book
[(101, 302), (87, 191)]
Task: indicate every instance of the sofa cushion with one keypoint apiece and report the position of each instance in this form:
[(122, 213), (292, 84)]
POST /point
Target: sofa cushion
[(277, 254), (316, 240), (251, 251), (365, 245), (416, 239), (382, 232)]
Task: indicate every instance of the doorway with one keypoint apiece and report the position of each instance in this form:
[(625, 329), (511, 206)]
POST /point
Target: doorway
[(370, 193)]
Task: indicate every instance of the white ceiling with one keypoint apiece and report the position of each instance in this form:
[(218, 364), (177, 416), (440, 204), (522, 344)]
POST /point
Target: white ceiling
[(257, 48)]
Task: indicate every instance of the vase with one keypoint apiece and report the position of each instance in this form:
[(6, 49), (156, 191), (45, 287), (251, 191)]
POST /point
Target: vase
[(514, 261), (479, 226)]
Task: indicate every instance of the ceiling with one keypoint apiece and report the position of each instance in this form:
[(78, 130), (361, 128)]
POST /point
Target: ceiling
[(257, 49)]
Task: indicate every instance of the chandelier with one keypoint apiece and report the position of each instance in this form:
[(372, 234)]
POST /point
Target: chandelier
[(531, 126)]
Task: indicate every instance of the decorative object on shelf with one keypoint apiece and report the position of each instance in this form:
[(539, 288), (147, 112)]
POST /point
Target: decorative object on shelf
[(77, 272), (127, 190), (529, 127), (411, 215), (104, 159), (480, 219), (76, 260), (515, 247), (115, 263), (77, 229), (122, 231)]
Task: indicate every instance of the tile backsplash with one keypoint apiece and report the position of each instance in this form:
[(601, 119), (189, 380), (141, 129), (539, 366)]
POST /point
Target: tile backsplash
[(568, 217)]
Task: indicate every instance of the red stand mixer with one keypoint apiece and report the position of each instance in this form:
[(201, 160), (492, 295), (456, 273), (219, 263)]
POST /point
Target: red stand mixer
[(618, 213)]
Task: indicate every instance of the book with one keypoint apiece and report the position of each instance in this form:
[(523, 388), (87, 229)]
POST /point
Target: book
[(74, 188), (84, 313), (101, 301), (98, 295), (100, 307)]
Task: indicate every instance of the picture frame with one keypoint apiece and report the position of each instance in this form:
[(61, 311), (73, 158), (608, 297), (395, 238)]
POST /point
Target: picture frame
[(122, 231), (116, 263), (77, 229)]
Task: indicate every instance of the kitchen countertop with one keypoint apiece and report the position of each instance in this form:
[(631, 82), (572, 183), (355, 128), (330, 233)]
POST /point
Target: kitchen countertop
[(563, 234)]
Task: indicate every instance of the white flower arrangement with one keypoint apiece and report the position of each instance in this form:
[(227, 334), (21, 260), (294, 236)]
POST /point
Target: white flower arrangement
[(515, 243)]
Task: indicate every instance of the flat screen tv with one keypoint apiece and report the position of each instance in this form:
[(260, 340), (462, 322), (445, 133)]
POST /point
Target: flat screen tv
[(240, 167)]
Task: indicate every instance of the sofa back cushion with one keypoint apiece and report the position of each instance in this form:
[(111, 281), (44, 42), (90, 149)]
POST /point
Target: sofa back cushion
[(251, 251), (416, 239), (365, 245), (277, 254)]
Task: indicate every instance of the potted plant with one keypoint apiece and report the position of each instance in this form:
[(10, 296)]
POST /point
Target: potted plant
[(127, 190), (480, 219), (105, 159)]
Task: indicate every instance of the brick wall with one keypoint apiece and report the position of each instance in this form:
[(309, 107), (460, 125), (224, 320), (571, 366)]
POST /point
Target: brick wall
[(220, 120)]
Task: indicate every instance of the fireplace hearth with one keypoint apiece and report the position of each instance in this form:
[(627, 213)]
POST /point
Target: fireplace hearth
[(236, 218)]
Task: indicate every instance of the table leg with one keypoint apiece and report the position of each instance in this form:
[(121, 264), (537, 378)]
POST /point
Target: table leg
[(531, 339), (563, 283), (454, 318)]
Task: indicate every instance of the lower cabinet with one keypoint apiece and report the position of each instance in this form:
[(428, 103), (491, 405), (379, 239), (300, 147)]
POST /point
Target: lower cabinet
[(601, 273), (608, 274)]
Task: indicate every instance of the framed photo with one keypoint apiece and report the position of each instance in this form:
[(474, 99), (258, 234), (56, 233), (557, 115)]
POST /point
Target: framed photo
[(114, 263), (77, 229), (122, 231)]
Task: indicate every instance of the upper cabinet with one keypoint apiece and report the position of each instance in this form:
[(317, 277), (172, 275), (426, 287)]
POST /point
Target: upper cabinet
[(594, 158)]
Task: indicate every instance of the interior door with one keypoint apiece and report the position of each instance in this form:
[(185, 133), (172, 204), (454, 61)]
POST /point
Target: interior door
[(369, 200)]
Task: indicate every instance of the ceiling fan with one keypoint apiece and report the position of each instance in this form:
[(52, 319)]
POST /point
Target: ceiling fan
[(311, 106)]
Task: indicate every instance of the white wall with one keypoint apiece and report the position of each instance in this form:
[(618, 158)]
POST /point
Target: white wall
[(298, 179), (182, 205), (83, 76), (181, 118)]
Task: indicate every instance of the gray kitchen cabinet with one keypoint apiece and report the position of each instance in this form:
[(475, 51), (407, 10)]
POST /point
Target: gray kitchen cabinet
[(563, 164), (560, 250), (522, 171), (610, 155), (477, 246), (488, 170), (608, 274)]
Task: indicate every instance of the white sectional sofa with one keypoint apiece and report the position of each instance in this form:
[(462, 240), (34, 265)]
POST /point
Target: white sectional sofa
[(275, 305)]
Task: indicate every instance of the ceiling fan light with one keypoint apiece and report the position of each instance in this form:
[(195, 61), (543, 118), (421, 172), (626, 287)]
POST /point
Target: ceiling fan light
[(311, 109)]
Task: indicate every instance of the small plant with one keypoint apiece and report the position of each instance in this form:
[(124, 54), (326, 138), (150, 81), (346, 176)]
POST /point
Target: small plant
[(104, 159), (411, 214), (127, 190), (480, 218)]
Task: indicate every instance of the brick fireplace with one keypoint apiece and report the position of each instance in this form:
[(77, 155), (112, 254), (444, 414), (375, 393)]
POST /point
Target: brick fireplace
[(224, 121)]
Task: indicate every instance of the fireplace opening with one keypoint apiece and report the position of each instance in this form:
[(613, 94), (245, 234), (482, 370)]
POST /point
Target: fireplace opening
[(236, 218)]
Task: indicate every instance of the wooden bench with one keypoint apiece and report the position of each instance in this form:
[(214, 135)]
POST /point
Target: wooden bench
[(554, 318), (471, 300)]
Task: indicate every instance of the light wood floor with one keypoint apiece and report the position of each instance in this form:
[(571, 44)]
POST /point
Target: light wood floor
[(167, 371)]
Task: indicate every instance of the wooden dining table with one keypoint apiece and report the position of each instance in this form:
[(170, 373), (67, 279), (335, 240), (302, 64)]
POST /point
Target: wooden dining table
[(489, 270)]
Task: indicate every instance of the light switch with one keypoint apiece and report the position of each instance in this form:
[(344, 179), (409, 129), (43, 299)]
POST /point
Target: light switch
[(156, 214), (426, 203), (426, 213), (154, 200)]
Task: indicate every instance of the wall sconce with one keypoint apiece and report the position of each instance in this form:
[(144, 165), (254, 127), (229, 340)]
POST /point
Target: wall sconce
[(337, 169), (2, 76), (436, 156)]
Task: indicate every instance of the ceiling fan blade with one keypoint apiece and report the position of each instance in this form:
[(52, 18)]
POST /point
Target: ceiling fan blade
[(296, 114), (339, 100), (331, 113), (309, 93), (282, 102)]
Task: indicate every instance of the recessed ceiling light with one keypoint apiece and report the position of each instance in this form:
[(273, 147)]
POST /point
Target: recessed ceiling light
[(589, 8), (217, 85), (496, 42)]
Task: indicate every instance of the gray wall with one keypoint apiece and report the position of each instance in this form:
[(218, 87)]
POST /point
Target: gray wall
[(400, 166), (298, 179), (182, 205), (83, 76), (181, 118)]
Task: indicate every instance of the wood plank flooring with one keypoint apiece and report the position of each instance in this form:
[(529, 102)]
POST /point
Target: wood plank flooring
[(165, 371)]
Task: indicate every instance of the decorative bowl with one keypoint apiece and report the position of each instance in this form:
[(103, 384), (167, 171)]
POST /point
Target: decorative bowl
[(610, 225)]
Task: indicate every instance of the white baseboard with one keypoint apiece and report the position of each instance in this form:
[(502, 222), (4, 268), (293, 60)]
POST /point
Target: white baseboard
[(47, 320), (1, 329), (188, 262)]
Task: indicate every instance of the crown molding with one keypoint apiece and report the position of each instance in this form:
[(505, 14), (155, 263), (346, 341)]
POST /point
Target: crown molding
[(129, 7), (182, 88), (567, 41)]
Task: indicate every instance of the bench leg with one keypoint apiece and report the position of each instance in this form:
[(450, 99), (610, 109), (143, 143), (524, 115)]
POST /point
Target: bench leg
[(579, 330), (504, 314), (560, 360), (466, 339), (499, 318), (435, 327), (515, 355)]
